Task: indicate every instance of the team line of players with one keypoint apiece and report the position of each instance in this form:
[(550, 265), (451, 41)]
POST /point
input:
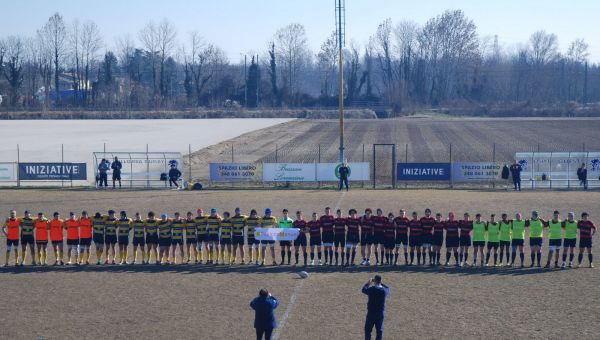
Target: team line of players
[(217, 239)]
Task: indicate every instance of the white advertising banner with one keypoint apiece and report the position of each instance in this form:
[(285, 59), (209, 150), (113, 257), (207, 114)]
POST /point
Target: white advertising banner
[(276, 234), (557, 169), (289, 172), (8, 172), (330, 171)]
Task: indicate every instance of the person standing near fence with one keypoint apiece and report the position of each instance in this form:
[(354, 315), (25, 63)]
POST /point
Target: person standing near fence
[(116, 167), (377, 293), (102, 173), (344, 172), (174, 175), (515, 171), (582, 176)]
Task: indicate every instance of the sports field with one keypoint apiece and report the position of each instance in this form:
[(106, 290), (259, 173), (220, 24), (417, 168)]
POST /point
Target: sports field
[(208, 302)]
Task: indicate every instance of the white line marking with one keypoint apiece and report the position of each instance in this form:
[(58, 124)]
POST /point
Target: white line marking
[(293, 298)]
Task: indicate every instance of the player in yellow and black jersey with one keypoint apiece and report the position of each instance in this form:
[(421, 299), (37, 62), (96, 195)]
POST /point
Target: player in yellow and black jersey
[(191, 237), (268, 221), (177, 226), (253, 222), (239, 223), (225, 229), (164, 239), (200, 220), (212, 228), (151, 227), (139, 240)]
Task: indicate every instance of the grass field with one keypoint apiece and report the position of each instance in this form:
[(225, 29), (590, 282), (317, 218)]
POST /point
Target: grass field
[(207, 302)]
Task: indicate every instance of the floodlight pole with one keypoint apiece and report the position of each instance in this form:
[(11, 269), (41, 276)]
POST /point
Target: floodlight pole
[(340, 28)]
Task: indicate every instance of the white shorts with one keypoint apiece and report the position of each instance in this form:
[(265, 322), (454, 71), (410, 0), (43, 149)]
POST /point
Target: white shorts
[(350, 245), (426, 245), (553, 248), (327, 244)]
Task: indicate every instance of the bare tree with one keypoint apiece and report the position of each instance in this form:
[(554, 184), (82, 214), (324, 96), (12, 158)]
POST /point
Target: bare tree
[(293, 55), (13, 67), (150, 41), (54, 34), (166, 38), (327, 64), (544, 47), (91, 42)]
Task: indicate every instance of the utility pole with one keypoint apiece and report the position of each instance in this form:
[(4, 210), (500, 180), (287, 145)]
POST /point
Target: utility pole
[(585, 84), (257, 79), (245, 83), (340, 18)]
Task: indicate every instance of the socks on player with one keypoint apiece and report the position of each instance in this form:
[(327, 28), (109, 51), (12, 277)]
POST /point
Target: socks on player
[(522, 257), (289, 255), (337, 255), (487, 257), (437, 256), (347, 256), (456, 256), (282, 256), (466, 255), (312, 256), (579, 258), (412, 256), (382, 255), (396, 258), (305, 256), (564, 257), (405, 257), (495, 258), (419, 258), (376, 257), (539, 258), (532, 258), (326, 256), (296, 256), (447, 256), (571, 255), (591, 258), (319, 255), (353, 255)]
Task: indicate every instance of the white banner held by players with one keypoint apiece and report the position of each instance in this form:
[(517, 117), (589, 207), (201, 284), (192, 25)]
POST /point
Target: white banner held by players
[(289, 172), (330, 172), (276, 234)]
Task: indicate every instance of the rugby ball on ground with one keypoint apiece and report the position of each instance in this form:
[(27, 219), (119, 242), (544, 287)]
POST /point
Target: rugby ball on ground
[(303, 274)]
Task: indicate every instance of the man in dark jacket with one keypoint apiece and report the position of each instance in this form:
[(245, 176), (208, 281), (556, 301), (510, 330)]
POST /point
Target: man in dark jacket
[(344, 171), (174, 175), (102, 176), (264, 314), (377, 293), (116, 167), (515, 171), (582, 175)]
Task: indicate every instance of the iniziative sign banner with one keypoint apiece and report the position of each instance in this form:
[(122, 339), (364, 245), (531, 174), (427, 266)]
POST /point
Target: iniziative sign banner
[(235, 172), (423, 171), (52, 171)]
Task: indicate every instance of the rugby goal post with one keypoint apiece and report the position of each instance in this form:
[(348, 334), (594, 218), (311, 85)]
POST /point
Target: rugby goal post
[(384, 165)]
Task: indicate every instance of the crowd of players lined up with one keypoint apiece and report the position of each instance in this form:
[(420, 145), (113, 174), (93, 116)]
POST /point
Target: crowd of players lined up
[(215, 239)]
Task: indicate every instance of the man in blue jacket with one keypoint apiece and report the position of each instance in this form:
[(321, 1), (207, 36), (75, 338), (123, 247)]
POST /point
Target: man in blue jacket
[(377, 293), (264, 310)]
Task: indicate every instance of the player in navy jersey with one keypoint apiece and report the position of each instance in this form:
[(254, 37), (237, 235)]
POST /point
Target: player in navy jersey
[(339, 230), (427, 223), (438, 238), (414, 239), (401, 223), (464, 238), (389, 239), (314, 228), (300, 241), (587, 229), (379, 225), (352, 236), (366, 236), (452, 243), (327, 235)]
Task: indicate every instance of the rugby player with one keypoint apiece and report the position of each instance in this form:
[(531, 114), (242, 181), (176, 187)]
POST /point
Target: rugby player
[(110, 236), (555, 236), (427, 223), (56, 237), (151, 227), (239, 223), (164, 239), (11, 231), (464, 238), (212, 229), (339, 239), (268, 221), (570, 239), (72, 227), (285, 222), (252, 223), (27, 239), (352, 237), (414, 238), (587, 229), (438, 238), (505, 238), (191, 237), (124, 225), (493, 239), (379, 225), (479, 228), (314, 227), (300, 241), (225, 228), (85, 237), (177, 226), (41, 238), (518, 239), (200, 220), (536, 232), (98, 225), (452, 241), (366, 236), (389, 240), (327, 235), (139, 240), (401, 223)]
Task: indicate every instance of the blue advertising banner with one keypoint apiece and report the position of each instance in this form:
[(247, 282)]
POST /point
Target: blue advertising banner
[(229, 172), (423, 171), (52, 171)]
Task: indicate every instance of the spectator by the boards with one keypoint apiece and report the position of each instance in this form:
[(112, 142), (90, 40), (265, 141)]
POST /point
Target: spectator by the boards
[(116, 167), (174, 175), (377, 293), (582, 176), (102, 172), (264, 314), (515, 171), (344, 171)]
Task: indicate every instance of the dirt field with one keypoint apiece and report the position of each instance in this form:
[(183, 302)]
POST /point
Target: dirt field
[(206, 302)]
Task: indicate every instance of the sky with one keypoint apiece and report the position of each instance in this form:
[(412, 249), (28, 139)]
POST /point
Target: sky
[(245, 27)]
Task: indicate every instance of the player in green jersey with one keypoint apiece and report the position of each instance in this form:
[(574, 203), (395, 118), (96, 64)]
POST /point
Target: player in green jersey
[(570, 239), (518, 239), (493, 239), (505, 238), (478, 238), (536, 227), (555, 231)]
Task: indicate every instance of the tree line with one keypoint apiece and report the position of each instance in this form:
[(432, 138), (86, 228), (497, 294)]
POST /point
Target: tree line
[(404, 65)]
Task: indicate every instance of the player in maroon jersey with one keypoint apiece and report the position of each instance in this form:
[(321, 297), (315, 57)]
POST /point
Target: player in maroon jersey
[(414, 239), (366, 236), (339, 231), (438, 238), (352, 236), (327, 235), (379, 223), (427, 223), (587, 229), (389, 238), (464, 238), (452, 225), (401, 223), (314, 228), (300, 241)]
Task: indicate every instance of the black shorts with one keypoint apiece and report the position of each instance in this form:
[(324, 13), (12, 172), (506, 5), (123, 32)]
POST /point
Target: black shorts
[(401, 239), (139, 241), (152, 239), (225, 241), (300, 241), (426, 239), (378, 238), (415, 240), (238, 240), (452, 242), (12, 242), (265, 243), (389, 243), (464, 241), (339, 241), (327, 238), (98, 239), (493, 245), (116, 176), (285, 243), (315, 241), (212, 238), (86, 242), (123, 240), (201, 237), (191, 240), (585, 243), (177, 241), (478, 243), (74, 242), (437, 240), (366, 239), (570, 242), (352, 239), (164, 242), (41, 241), (504, 243), (253, 241), (535, 241), (110, 239), (58, 243), (555, 242), (27, 239), (518, 242)]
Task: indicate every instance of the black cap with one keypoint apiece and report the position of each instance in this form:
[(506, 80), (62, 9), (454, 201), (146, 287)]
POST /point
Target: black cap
[(111, 211), (26, 211)]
